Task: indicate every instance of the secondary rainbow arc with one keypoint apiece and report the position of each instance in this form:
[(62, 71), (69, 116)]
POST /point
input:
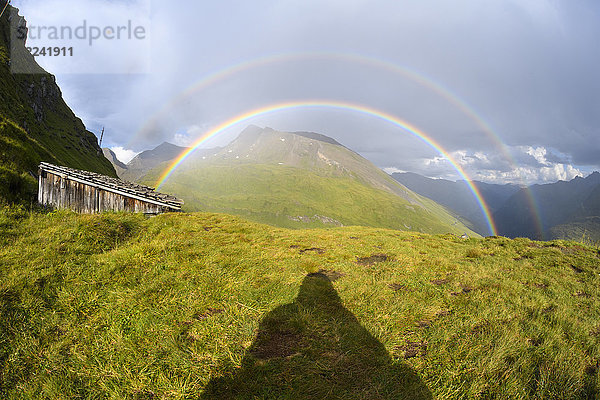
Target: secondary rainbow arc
[(404, 71), (342, 106)]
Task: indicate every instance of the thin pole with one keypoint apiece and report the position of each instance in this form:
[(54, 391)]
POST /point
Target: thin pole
[(101, 136)]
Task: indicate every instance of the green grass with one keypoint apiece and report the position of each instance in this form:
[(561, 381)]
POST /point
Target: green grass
[(19, 155), (120, 306), (586, 230), (274, 194), (287, 180)]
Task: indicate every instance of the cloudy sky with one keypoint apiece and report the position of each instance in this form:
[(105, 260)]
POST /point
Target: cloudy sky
[(510, 89)]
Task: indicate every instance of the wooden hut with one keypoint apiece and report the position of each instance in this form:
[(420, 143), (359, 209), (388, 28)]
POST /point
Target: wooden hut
[(88, 192)]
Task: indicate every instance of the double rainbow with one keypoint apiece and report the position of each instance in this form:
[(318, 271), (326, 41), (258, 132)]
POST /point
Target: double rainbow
[(384, 65), (340, 106)]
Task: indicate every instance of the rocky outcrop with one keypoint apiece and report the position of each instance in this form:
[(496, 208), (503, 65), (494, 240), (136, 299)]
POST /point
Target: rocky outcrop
[(36, 123)]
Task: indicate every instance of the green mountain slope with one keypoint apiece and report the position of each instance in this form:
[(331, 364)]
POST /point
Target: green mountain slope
[(584, 224), (301, 180), (37, 125), (213, 307), (558, 203), (458, 197), (586, 229)]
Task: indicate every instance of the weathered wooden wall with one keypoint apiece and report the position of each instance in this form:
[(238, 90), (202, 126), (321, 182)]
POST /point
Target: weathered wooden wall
[(61, 192)]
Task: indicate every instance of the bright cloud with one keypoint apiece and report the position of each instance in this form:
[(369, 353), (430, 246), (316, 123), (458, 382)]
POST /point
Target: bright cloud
[(539, 153), (392, 170), (529, 175), (494, 169), (182, 139), (124, 155)]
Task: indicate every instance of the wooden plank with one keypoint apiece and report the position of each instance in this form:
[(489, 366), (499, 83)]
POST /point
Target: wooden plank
[(40, 187), (61, 191), (141, 192)]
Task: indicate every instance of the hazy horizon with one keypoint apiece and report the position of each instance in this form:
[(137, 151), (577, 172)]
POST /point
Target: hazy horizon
[(125, 156)]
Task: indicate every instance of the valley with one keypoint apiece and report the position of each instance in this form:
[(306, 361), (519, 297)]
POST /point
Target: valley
[(561, 210)]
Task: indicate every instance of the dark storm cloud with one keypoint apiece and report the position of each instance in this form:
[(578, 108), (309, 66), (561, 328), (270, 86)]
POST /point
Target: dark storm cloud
[(526, 68)]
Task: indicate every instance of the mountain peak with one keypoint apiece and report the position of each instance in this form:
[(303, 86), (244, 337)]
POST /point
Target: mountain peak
[(255, 131), (164, 151), (593, 178), (251, 129), (167, 145), (317, 136), (297, 178)]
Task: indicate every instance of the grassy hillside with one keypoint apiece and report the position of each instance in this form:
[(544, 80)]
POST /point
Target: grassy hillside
[(19, 157), (37, 125), (583, 224), (187, 306), (561, 204), (586, 229), (458, 197), (291, 197), (296, 180)]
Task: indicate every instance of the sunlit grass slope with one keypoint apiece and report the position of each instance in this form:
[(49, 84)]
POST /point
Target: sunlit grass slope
[(278, 195), (291, 180), (187, 306)]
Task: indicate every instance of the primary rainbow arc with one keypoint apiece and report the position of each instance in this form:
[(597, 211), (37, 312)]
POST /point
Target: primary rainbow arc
[(404, 71), (336, 105)]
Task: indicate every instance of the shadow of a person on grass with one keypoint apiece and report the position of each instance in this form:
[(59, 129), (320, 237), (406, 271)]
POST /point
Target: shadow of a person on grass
[(316, 348)]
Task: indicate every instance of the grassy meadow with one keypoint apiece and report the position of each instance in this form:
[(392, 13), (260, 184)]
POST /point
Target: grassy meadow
[(211, 306), (280, 195), (290, 180)]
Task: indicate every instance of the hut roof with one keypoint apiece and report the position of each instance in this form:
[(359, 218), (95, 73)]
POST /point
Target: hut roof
[(114, 185)]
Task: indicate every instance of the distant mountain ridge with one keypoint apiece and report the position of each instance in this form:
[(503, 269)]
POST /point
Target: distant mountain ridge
[(300, 179), (560, 203), (164, 151), (112, 157), (319, 137), (567, 210), (143, 162), (458, 196)]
